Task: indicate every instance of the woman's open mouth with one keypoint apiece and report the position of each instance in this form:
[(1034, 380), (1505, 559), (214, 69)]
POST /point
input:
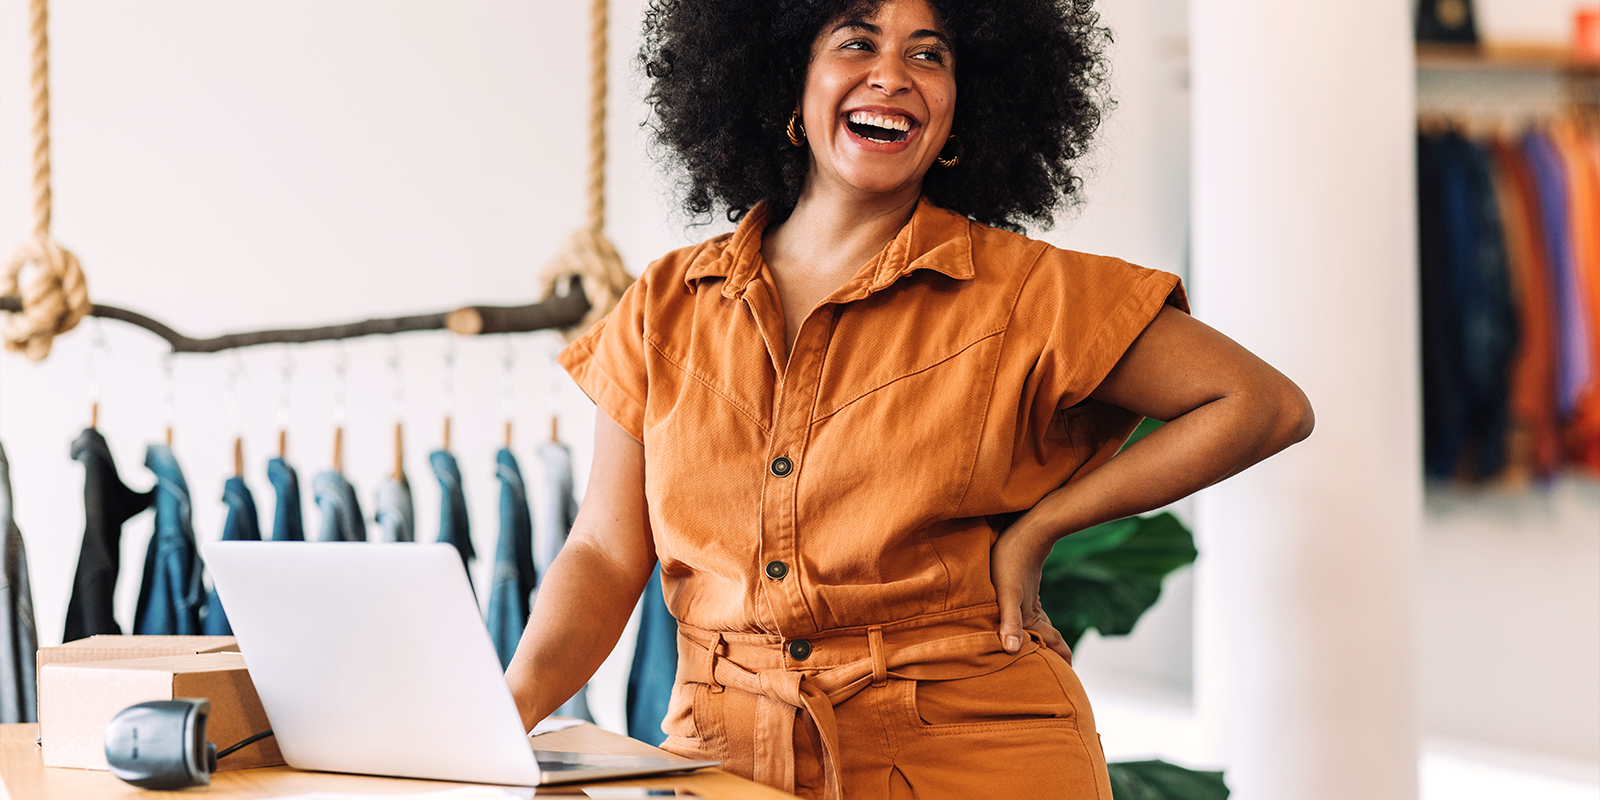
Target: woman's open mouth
[(881, 128)]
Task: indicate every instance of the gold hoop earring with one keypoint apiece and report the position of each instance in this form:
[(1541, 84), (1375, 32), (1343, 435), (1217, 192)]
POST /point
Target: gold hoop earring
[(953, 160), (797, 130)]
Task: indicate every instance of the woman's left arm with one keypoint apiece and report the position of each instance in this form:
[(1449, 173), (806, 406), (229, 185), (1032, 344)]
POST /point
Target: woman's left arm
[(1224, 408)]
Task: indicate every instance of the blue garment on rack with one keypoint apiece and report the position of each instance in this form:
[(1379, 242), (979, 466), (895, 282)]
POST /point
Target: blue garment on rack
[(514, 577), (655, 665), (1468, 315), (341, 511), (171, 595), (396, 517), (107, 504), (1574, 361), (19, 638), (287, 524), (242, 525), (453, 528), (557, 511)]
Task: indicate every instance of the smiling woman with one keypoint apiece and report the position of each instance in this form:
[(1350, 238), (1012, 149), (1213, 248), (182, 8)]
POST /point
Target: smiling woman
[(852, 430), (726, 77)]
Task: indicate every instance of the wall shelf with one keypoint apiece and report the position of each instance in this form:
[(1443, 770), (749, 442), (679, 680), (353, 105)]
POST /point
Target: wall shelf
[(1502, 57)]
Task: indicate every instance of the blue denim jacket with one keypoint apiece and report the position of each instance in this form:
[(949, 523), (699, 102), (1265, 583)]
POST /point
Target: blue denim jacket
[(242, 524), (655, 665), (513, 561), (397, 521), (453, 527), (19, 639), (341, 511), (287, 523), (171, 595), (557, 510)]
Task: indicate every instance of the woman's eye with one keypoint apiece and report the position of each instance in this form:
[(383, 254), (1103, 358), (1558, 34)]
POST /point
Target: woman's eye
[(930, 55), (856, 44)]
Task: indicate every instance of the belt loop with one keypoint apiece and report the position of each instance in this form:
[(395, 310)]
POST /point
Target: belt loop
[(718, 649), (880, 667)]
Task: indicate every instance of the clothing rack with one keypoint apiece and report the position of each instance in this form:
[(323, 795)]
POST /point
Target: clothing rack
[(557, 311)]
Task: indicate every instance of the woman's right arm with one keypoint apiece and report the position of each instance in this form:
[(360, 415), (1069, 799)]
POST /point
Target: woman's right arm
[(588, 593)]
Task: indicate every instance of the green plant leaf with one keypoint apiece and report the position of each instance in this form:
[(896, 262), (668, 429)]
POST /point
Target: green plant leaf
[(1159, 780), (1104, 578)]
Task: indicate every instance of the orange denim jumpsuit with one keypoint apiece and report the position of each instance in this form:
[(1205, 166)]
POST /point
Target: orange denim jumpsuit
[(824, 520)]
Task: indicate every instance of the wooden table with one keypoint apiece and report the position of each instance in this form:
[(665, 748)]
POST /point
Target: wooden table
[(23, 775)]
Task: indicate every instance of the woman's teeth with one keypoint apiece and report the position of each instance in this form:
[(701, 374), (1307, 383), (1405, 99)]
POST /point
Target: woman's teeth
[(878, 127)]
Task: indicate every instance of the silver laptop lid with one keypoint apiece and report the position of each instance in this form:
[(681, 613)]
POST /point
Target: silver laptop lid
[(372, 658)]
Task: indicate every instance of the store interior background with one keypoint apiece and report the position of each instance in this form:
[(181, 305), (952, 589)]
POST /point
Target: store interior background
[(264, 164)]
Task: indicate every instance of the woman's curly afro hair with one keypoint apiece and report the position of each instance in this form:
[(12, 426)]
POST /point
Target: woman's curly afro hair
[(1030, 78)]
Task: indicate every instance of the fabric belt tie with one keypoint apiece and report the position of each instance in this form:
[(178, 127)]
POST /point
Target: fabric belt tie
[(937, 647)]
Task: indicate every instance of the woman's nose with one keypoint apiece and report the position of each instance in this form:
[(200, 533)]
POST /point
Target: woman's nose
[(889, 76)]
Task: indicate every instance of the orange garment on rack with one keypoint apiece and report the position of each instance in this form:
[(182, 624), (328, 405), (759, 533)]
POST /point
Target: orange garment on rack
[(824, 517), (1535, 446), (1572, 141)]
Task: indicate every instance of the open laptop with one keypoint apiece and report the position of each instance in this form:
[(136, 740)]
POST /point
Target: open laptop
[(371, 658)]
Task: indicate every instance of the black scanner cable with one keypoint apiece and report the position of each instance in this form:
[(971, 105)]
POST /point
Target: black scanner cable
[(230, 750)]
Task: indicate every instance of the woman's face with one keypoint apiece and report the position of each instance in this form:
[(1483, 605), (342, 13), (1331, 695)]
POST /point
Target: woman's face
[(879, 98)]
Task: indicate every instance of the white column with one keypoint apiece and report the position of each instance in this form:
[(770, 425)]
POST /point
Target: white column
[(1304, 251)]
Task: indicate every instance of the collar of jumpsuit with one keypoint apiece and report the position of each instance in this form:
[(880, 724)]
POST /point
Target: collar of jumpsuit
[(802, 507)]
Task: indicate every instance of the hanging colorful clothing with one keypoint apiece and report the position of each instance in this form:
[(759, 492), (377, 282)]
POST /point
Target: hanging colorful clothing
[(19, 638), (242, 525), (512, 586), (171, 596), (107, 504)]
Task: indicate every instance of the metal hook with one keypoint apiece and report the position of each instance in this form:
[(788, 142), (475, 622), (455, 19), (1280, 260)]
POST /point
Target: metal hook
[(97, 346), (285, 374), (237, 375), (447, 379), (508, 361), (169, 394), (341, 364), (552, 392), (397, 403)]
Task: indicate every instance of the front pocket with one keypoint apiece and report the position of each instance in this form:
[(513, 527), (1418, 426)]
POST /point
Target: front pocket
[(1025, 693)]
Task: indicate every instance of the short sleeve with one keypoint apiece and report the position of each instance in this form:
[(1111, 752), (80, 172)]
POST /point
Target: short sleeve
[(1089, 310), (608, 362)]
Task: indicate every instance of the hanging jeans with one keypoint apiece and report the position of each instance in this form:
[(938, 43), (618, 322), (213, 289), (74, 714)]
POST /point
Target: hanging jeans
[(341, 512), (655, 665), (397, 522), (453, 529), (171, 595), (107, 504), (287, 524), (19, 639), (557, 510), (242, 525), (513, 561)]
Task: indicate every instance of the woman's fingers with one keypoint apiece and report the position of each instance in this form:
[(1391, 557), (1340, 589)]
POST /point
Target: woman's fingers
[(1040, 623)]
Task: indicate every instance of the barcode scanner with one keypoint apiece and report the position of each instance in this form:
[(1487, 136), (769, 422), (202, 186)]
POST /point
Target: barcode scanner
[(162, 744)]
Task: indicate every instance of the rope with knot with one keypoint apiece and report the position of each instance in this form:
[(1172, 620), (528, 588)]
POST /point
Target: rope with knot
[(56, 295), (587, 254)]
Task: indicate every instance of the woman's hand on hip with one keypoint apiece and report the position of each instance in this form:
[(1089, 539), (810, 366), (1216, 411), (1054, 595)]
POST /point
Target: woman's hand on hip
[(1015, 564)]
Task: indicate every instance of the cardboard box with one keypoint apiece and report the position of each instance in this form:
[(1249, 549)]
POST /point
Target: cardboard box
[(78, 699), (117, 648)]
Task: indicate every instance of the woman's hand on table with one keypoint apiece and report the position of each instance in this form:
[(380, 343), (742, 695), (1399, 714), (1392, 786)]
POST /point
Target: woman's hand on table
[(1015, 564)]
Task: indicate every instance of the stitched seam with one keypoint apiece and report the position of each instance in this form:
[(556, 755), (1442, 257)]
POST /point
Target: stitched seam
[(707, 383), (983, 428), (916, 371)]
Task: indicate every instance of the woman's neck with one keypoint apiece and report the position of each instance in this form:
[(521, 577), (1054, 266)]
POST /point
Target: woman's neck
[(824, 243), (831, 234)]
